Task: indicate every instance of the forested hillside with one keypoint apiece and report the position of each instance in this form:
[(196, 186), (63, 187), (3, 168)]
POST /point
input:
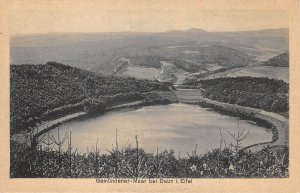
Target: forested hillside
[(38, 90), (262, 93)]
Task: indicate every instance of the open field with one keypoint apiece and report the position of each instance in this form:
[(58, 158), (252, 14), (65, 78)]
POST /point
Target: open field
[(141, 72), (213, 67), (281, 73), (255, 70)]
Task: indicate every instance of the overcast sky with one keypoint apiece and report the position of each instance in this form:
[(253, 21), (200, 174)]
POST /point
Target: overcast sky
[(97, 18)]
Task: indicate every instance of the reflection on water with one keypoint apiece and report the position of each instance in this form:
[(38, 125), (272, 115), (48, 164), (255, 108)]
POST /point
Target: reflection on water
[(175, 126)]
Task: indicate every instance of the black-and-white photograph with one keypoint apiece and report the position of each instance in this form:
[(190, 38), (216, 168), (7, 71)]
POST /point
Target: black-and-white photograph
[(149, 94)]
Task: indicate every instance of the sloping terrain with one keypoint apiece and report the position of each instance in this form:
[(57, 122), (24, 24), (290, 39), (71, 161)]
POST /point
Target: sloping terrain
[(38, 89), (261, 93), (276, 67), (191, 51), (281, 60), (281, 73)]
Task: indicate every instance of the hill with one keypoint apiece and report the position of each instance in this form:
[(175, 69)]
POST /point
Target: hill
[(196, 30), (41, 92), (191, 54), (99, 52), (281, 60), (262, 93)]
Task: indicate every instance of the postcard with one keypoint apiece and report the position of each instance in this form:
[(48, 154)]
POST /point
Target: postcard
[(149, 96)]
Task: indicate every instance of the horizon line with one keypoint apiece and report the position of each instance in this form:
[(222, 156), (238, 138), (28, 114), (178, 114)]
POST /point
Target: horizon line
[(171, 30)]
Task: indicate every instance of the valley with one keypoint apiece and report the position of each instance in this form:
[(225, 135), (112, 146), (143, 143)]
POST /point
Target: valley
[(175, 89), (191, 54)]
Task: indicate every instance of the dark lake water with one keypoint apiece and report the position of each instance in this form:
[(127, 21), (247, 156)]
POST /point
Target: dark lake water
[(176, 126)]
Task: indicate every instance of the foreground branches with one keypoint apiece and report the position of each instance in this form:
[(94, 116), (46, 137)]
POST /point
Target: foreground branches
[(134, 162)]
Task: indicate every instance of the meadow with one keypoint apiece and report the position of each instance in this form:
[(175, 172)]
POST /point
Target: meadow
[(141, 72), (281, 73)]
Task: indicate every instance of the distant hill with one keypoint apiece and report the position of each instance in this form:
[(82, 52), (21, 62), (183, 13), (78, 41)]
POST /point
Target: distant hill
[(191, 30), (281, 60), (195, 30), (199, 55), (221, 55), (99, 52)]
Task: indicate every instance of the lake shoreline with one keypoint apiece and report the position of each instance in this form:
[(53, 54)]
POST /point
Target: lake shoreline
[(25, 138), (279, 128)]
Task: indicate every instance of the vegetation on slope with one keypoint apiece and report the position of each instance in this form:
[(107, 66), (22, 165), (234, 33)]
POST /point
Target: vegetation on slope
[(99, 51), (224, 56), (40, 91), (201, 55), (281, 60), (263, 93), (147, 60)]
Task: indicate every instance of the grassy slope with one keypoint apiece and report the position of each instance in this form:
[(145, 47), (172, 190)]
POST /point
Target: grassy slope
[(281, 60), (281, 73)]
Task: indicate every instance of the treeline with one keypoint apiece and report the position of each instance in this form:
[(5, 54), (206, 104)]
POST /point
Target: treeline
[(263, 93), (38, 92), (133, 162)]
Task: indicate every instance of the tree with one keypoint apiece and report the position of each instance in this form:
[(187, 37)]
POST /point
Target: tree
[(94, 106)]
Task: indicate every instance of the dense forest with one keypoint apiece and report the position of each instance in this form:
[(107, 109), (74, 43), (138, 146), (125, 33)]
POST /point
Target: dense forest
[(41, 91), (263, 93)]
